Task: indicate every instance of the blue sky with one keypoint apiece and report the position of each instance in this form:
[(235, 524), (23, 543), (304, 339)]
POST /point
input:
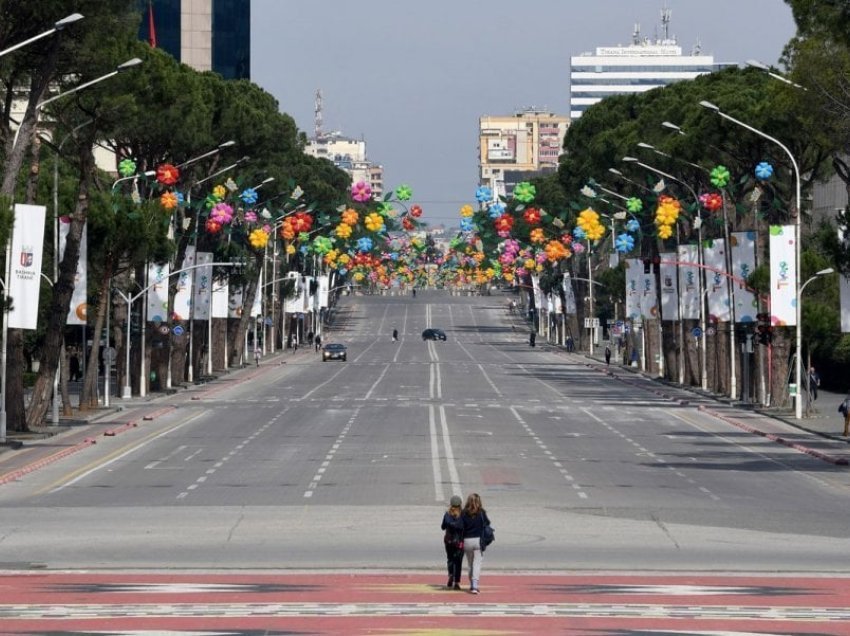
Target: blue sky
[(412, 78)]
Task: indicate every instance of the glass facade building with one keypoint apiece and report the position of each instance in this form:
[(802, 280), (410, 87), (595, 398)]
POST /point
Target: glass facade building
[(204, 34)]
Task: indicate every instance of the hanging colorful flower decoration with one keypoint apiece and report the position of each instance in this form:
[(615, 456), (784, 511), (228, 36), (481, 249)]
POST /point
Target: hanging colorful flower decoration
[(290, 249), (632, 225), (466, 224), (537, 236), (578, 248), (634, 205), (483, 194), (624, 243), (258, 239), (555, 251), (588, 222), (230, 184), (403, 193), (504, 223), (497, 208), (219, 192), (350, 217), (532, 216), (322, 245), (579, 234), (364, 244), (301, 222), (407, 224), (167, 174), (287, 232), (711, 201), (361, 192), (374, 222), (667, 212), (222, 213), (415, 211), (168, 200), (720, 177), (525, 192), (212, 226), (588, 192), (250, 216), (764, 171), (665, 231), (466, 210), (127, 167), (248, 196), (343, 231)]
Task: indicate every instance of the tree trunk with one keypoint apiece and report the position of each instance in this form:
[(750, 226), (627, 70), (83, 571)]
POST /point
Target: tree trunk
[(88, 399), (63, 291), (236, 336)]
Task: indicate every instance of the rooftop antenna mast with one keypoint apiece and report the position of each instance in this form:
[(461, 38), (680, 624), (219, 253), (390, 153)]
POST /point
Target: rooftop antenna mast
[(636, 34), (317, 112), (665, 22)]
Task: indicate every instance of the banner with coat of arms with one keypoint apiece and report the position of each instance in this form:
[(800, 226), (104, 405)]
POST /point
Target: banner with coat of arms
[(24, 280)]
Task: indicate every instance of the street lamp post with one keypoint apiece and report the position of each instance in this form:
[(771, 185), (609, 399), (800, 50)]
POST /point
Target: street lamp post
[(798, 406), (57, 26), (823, 272), (698, 224)]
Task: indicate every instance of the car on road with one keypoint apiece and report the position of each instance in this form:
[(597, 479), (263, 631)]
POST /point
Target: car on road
[(433, 334), (334, 351)]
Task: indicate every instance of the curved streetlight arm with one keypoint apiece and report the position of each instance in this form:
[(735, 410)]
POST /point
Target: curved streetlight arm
[(823, 272), (57, 26), (122, 67), (666, 175), (212, 152), (764, 67)]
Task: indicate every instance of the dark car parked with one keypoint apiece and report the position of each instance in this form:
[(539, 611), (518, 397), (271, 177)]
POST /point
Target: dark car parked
[(334, 351), (433, 334)]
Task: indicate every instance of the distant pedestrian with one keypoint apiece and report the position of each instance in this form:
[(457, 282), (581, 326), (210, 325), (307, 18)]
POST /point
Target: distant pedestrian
[(74, 367), (474, 519), (453, 541), (395, 335), (309, 337), (814, 383), (318, 342), (414, 292), (257, 355), (570, 344), (844, 409), (607, 355)]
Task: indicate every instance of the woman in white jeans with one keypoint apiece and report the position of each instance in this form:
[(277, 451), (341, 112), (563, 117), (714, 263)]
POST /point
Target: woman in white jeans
[(474, 519)]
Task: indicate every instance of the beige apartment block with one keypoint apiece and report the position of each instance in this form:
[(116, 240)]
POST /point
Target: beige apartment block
[(196, 41)]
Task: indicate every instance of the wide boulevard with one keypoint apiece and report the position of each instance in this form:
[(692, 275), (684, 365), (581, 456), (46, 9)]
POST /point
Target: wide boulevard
[(304, 496)]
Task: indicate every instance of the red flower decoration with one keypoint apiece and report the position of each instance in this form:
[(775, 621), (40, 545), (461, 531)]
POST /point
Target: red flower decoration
[(711, 202), (415, 211), (213, 227), (504, 223), (302, 222), (406, 223), (531, 216), (566, 239), (167, 174)]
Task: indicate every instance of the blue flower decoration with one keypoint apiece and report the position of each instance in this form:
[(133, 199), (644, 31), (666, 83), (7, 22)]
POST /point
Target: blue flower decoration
[(364, 244), (632, 226), (483, 194), (394, 256), (466, 224), (624, 243), (579, 233), (248, 196), (764, 171), (343, 271), (303, 249), (496, 210), (180, 198)]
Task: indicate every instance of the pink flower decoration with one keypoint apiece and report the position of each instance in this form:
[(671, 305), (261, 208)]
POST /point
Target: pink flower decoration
[(251, 216), (361, 192)]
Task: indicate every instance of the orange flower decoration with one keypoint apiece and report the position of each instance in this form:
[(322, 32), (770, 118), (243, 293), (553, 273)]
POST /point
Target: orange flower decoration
[(537, 236), (168, 200), (350, 217), (286, 230)]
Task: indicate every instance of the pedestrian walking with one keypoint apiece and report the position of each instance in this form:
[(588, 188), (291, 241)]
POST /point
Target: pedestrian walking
[(474, 520), (257, 355), (310, 338), (395, 335), (453, 541), (814, 383), (318, 342), (844, 409), (570, 344), (414, 292), (607, 355), (74, 367)]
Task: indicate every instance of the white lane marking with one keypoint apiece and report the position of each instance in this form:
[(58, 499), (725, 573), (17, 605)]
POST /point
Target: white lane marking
[(435, 455), (311, 487), (157, 462), (141, 444), (376, 383), (450, 457)]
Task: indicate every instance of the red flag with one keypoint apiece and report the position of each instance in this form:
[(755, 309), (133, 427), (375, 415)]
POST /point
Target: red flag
[(151, 26)]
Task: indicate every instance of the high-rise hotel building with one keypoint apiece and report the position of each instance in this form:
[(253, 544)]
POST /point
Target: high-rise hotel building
[(638, 67)]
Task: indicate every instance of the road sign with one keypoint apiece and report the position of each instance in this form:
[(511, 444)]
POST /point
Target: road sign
[(696, 332), (591, 323), (268, 321), (178, 330), (164, 330), (710, 331)]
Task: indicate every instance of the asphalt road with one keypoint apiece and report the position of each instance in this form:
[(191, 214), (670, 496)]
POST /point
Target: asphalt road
[(313, 465)]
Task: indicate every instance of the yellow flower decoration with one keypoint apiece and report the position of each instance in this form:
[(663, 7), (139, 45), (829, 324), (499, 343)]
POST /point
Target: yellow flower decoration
[(350, 217), (374, 222), (258, 238), (529, 263), (358, 276), (344, 259), (466, 210), (290, 249), (595, 233), (343, 231), (665, 231), (219, 192)]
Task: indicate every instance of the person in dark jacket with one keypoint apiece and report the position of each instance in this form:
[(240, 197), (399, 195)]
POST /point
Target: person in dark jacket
[(474, 519), (453, 541)]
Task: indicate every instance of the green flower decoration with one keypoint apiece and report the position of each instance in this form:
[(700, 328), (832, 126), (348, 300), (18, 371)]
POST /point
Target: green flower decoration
[(210, 201), (303, 237), (720, 177), (634, 205), (127, 167), (403, 192), (386, 208), (322, 245), (524, 192)]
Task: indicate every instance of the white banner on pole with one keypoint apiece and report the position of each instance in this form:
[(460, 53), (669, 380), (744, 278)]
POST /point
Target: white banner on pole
[(648, 294), (669, 287), (78, 309), (743, 264), (633, 293), (201, 285), (714, 258), (234, 302), (324, 283), (220, 298), (25, 267), (183, 298), (158, 292), (569, 295), (295, 304), (257, 309), (783, 276), (689, 281), (844, 287)]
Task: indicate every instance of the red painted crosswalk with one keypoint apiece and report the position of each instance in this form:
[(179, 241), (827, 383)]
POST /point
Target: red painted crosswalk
[(59, 603)]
